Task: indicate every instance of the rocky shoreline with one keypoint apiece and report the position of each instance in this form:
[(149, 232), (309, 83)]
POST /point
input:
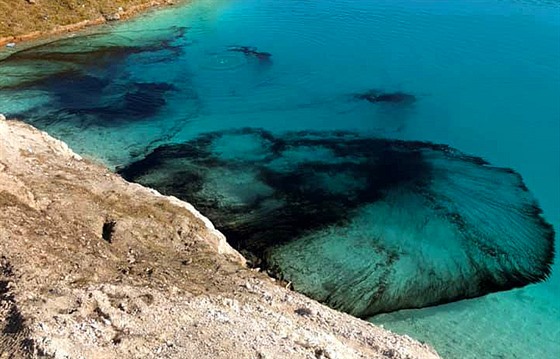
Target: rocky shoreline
[(94, 266), (97, 15)]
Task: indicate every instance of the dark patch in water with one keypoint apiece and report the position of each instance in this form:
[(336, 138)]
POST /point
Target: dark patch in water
[(253, 52), (96, 47), (365, 225), (63, 57), (74, 90), (82, 99), (376, 96), (87, 80), (146, 99), (92, 83), (91, 87)]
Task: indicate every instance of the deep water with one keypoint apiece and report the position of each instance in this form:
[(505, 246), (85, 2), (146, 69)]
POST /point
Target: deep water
[(306, 115)]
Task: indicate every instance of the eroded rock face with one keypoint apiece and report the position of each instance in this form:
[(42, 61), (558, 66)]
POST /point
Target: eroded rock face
[(365, 225), (93, 266)]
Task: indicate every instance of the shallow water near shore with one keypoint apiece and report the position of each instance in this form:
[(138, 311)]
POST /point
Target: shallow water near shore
[(485, 76)]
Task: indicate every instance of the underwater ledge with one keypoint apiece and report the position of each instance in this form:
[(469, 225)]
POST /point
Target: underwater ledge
[(95, 266), (365, 225)]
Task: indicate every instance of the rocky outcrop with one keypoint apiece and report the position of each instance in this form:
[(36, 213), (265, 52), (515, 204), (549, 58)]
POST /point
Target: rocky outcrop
[(94, 266)]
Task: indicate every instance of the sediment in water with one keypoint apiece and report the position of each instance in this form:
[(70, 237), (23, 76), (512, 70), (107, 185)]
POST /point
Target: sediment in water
[(365, 225)]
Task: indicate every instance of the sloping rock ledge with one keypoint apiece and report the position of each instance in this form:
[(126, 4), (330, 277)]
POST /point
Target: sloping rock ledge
[(94, 266)]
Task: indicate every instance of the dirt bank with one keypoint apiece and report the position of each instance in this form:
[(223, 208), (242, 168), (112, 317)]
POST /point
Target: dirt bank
[(94, 266), (22, 20)]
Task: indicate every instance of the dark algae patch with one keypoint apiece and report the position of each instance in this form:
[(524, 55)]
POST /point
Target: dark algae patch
[(378, 96), (252, 52), (87, 81), (81, 87), (365, 225)]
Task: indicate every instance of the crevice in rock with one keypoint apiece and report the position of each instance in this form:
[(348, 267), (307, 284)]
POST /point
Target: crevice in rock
[(108, 230)]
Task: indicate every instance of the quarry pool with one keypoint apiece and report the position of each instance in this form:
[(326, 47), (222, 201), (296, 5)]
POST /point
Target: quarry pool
[(383, 156)]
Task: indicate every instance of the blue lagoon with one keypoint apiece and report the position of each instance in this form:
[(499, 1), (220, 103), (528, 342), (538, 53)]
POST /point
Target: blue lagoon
[(387, 157)]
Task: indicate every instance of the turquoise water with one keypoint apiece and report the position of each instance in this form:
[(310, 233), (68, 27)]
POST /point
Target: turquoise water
[(485, 75)]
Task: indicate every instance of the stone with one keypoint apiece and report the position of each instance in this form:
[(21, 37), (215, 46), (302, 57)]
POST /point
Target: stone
[(113, 17)]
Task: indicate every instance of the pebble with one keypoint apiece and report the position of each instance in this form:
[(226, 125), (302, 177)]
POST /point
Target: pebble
[(113, 17)]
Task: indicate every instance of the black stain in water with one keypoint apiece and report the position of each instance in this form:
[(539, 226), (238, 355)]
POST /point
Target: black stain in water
[(307, 205), (378, 96), (302, 183), (252, 52), (89, 84)]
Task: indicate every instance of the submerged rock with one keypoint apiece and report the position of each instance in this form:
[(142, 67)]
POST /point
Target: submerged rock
[(97, 53), (365, 225), (252, 52), (145, 100), (376, 96)]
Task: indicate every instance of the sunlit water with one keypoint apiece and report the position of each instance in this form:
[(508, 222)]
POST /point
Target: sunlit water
[(486, 75)]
